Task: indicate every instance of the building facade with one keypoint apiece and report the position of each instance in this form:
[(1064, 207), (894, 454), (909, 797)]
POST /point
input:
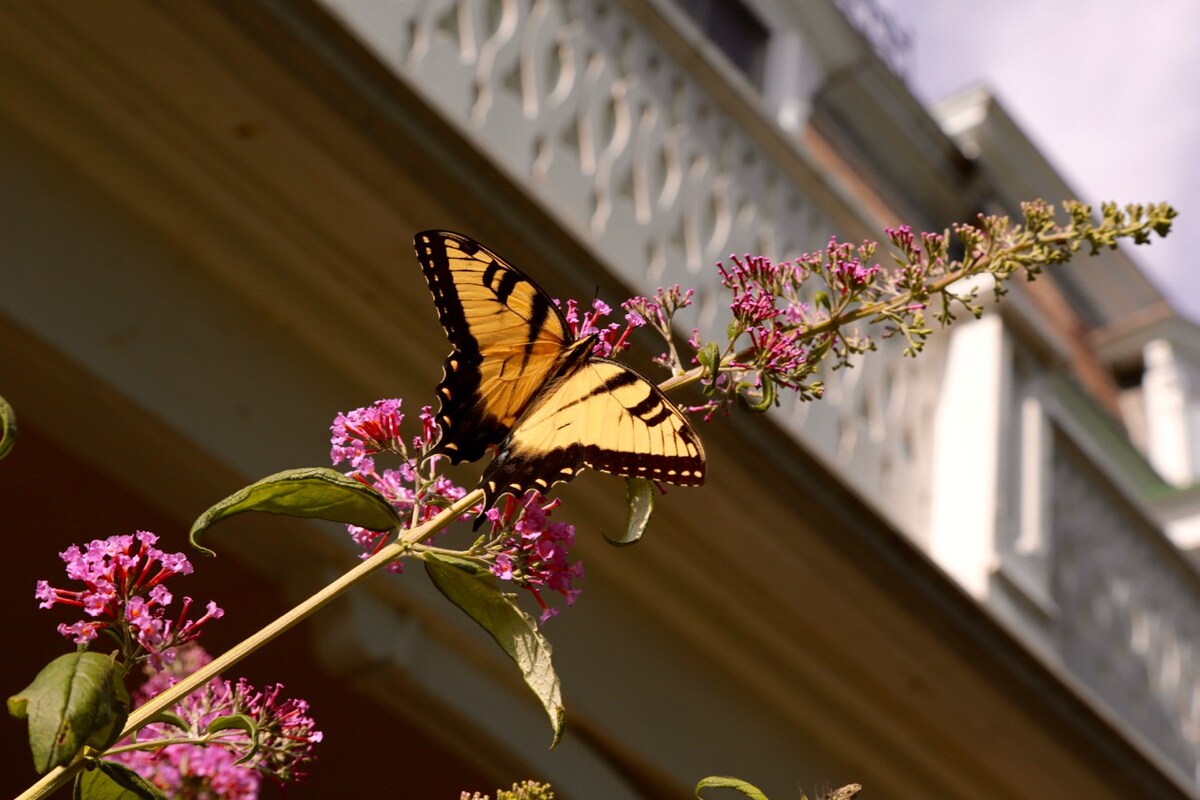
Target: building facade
[(964, 575)]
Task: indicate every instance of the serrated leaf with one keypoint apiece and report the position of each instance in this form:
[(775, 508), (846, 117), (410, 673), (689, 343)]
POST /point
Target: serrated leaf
[(514, 630), (639, 503), (727, 782), (8, 428), (311, 493), (77, 700), (110, 781)]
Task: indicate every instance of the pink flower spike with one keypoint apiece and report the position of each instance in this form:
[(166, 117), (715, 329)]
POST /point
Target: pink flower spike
[(118, 596), (534, 553), (83, 632), (365, 433), (230, 767)]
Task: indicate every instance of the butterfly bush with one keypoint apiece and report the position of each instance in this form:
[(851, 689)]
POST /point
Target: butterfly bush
[(788, 319), (195, 755), (523, 546), (533, 552), (125, 596), (610, 339), (526, 790), (225, 762), (413, 488)]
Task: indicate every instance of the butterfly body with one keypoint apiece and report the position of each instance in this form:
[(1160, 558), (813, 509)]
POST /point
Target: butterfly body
[(519, 380)]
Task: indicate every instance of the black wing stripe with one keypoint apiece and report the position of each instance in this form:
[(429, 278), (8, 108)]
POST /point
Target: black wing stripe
[(646, 406), (517, 378), (625, 378), (537, 322), (504, 289)]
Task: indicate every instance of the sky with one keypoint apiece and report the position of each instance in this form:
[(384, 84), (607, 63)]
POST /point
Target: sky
[(1108, 89)]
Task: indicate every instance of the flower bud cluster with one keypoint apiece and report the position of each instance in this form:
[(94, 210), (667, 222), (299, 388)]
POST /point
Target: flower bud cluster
[(230, 762), (413, 487), (125, 596), (533, 552)]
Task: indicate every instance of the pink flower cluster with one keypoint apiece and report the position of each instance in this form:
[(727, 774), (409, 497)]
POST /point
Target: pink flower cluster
[(657, 311), (779, 309), (224, 765), (125, 595), (364, 432), (610, 338), (534, 553), (767, 307)]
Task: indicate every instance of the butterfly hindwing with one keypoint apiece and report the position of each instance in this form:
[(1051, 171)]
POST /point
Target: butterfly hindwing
[(508, 339), (603, 416)]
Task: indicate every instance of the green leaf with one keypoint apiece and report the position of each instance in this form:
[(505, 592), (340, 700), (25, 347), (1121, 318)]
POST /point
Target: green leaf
[(110, 781), (165, 718), (77, 700), (311, 493), (239, 722), (639, 503), (709, 357), (514, 630), (726, 782), (467, 565), (8, 428), (766, 398)]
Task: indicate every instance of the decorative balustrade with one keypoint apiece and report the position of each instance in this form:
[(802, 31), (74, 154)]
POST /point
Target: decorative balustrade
[(592, 115), (1128, 624)]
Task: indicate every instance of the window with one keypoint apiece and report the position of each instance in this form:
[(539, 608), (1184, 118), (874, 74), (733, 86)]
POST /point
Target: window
[(735, 30)]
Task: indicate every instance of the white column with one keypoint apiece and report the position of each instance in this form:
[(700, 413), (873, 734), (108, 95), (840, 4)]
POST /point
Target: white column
[(1169, 420), (792, 75), (966, 453)]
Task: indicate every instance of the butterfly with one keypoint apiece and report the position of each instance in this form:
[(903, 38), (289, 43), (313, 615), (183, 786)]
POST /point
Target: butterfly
[(519, 379)]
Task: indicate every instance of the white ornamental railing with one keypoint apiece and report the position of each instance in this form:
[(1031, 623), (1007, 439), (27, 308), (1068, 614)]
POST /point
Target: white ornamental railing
[(1128, 609), (588, 112)]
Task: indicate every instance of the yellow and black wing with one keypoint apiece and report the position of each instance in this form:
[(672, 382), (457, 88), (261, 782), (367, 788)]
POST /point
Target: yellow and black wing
[(508, 337), (518, 378), (601, 415)]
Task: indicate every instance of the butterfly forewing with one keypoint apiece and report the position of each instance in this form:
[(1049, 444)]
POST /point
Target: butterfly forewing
[(507, 334)]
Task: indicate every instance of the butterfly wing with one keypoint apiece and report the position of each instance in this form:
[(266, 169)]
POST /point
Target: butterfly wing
[(603, 416), (508, 338)]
